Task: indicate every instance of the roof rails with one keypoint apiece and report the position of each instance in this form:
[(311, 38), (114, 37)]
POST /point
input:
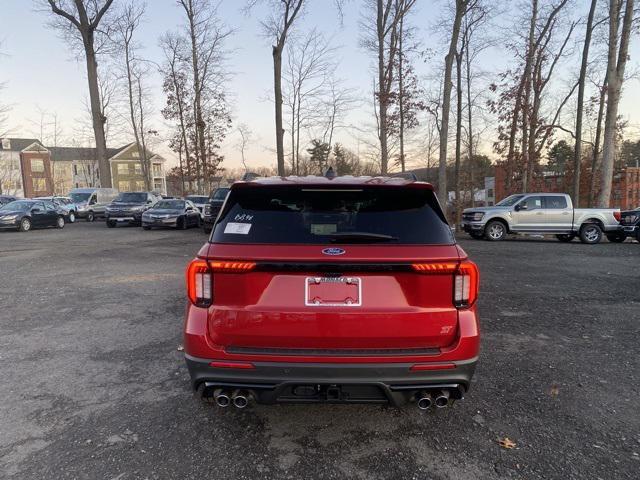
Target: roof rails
[(406, 176)]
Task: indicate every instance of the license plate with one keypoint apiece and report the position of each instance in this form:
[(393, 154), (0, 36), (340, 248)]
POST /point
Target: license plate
[(333, 292), (125, 219)]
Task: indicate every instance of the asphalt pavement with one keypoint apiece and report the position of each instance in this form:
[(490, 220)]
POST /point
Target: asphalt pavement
[(93, 384)]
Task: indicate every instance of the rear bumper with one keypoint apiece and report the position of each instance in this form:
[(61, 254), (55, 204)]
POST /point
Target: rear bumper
[(629, 229), (279, 382)]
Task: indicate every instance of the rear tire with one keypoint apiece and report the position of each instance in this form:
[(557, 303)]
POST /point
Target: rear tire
[(495, 231), (111, 224), (616, 237), (181, 224), (60, 222), (25, 225), (565, 237), (91, 217), (590, 234), (638, 235), (72, 217)]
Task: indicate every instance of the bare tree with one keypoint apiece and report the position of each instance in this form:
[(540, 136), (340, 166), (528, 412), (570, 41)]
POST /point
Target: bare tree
[(616, 62), (380, 27), (4, 109), (461, 7), (85, 17), (338, 101), (582, 80), (133, 72), (207, 36), (307, 75), (245, 138), (595, 154)]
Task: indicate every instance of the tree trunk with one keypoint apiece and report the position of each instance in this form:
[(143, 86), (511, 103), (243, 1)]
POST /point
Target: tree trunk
[(446, 103), (577, 153), (596, 146), (382, 92), (401, 92), (470, 127), (97, 114), (616, 64), (456, 173), (277, 93)]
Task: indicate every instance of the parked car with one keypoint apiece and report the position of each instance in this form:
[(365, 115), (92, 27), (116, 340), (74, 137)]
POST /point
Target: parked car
[(542, 213), (91, 202), (4, 199), (180, 214), (199, 201), (25, 215), (630, 222), (213, 206), (313, 289), (128, 208), (66, 204)]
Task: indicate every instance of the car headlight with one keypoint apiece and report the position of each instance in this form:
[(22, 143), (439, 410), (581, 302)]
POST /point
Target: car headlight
[(9, 217), (82, 208), (477, 216)]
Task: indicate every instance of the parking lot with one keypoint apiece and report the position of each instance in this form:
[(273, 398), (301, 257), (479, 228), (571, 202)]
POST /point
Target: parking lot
[(93, 384)]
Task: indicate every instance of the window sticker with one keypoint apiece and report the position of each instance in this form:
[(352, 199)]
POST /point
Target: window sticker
[(237, 228), (323, 228), (243, 217)]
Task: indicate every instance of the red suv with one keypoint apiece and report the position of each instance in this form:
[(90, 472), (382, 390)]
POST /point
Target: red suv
[(339, 290)]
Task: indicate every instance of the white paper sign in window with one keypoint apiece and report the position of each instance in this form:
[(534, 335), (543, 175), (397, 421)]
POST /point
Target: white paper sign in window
[(237, 228)]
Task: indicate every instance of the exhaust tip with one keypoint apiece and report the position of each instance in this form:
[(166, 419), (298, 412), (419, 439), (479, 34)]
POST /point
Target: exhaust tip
[(221, 398), (442, 399), (240, 398), (425, 401)]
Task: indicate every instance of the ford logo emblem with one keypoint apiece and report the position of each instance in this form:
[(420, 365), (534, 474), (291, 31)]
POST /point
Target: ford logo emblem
[(333, 251)]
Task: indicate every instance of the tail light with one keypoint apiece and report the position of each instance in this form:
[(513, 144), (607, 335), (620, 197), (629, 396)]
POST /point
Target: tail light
[(200, 278), (465, 281), (617, 215), (199, 283)]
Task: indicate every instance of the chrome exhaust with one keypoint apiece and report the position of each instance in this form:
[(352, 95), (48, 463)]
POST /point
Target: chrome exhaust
[(221, 398), (240, 398), (425, 401), (442, 399)]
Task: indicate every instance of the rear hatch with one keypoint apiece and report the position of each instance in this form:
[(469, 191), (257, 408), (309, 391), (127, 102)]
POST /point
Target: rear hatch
[(317, 270)]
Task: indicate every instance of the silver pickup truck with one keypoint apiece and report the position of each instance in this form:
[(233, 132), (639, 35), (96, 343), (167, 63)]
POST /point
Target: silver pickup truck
[(542, 213)]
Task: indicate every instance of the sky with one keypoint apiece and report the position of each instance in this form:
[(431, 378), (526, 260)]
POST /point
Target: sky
[(41, 73)]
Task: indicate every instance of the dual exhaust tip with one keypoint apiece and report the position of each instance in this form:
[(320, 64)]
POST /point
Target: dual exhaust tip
[(239, 398), (426, 400)]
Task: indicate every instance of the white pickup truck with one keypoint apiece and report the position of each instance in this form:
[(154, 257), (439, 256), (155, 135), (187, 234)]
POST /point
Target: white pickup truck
[(542, 213)]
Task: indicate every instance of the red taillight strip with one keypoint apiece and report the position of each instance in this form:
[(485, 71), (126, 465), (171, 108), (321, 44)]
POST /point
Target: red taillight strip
[(226, 266), (242, 366), (421, 367), (197, 266), (435, 267)]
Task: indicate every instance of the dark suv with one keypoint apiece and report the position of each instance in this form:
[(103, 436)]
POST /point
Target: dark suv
[(212, 207), (338, 290), (128, 208), (630, 223)]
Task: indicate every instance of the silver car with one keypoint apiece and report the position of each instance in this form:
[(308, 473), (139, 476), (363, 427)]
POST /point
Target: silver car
[(542, 213)]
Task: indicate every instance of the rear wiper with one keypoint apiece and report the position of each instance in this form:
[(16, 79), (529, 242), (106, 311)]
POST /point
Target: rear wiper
[(360, 237)]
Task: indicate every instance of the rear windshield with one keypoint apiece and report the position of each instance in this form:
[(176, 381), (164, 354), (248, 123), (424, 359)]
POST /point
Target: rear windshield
[(132, 197), (219, 194), (296, 215)]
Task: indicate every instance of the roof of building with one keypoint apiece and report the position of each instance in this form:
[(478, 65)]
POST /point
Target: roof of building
[(18, 144), (339, 180), (61, 154)]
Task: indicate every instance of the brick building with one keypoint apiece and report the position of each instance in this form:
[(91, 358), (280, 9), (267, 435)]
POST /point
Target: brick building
[(625, 190), (34, 163)]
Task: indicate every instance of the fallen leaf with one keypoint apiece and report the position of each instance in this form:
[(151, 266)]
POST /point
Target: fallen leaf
[(555, 390), (180, 348), (507, 443)]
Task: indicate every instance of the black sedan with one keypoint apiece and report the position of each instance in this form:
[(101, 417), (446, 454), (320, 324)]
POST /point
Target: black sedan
[(23, 215), (180, 214)]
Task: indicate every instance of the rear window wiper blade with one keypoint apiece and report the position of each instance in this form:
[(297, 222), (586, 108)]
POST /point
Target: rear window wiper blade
[(356, 237)]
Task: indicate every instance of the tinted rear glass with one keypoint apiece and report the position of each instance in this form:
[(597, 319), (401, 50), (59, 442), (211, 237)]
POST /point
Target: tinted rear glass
[(297, 215)]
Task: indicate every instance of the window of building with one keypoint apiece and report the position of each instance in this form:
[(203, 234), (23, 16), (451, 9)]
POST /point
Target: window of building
[(123, 169), (123, 186), (135, 154), (157, 185), (75, 170), (157, 170), (137, 168), (39, 184), (140, 187), (37, 165)]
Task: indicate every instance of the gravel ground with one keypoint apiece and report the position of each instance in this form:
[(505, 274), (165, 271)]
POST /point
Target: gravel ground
[(93, 385)]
